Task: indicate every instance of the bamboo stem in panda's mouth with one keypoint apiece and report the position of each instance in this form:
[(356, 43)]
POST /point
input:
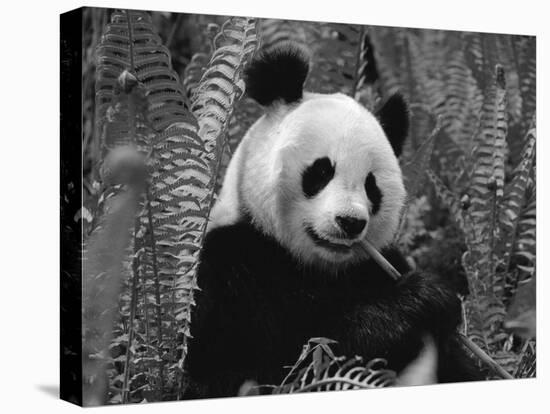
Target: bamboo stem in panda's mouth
[(368, 248)]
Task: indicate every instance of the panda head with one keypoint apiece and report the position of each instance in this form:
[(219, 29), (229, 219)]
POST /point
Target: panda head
[(324, 172)]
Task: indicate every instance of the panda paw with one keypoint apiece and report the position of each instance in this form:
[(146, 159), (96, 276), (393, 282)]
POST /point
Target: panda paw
[(437, 303)]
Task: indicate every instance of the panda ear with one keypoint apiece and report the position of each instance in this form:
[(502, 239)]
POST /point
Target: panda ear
[(277, 74), (393, 115)]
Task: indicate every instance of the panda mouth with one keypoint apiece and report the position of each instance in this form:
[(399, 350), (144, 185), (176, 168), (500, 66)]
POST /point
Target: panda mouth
[(327, 244)]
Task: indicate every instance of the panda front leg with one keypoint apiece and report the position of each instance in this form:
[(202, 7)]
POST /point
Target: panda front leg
[(395, 323)]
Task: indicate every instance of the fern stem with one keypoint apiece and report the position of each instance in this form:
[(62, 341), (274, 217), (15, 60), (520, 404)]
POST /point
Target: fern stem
[(157, 288), (133, 303), (145, 306), (130, 39), (410, 85), (173, 31), (493, 241)]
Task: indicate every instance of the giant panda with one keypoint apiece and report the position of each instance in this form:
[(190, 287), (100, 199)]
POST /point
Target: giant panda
[(280, 263)]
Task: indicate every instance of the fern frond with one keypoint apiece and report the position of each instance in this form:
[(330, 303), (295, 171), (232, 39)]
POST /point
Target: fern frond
[(415, 170), (334, 62), (220, 88), (222, 82), (481, 51), (447, 197), (487, 179), (525, 243), (318, 369), (485, 305), (340, 375), (490, 141), (171, 225), (525, 47), (199, 61), (527, 367), (515, 192), (217, 97), (275, 32), (366, 73), (133, 45), (484, 311), (194, 71), (463, 102), (414, 173), (390, 61)]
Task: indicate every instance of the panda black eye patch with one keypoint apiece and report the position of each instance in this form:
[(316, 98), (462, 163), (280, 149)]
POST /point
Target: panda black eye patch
[(373, 192), (317, 176)]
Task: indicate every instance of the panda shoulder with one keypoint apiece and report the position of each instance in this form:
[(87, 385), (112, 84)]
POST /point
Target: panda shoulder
[(224, 241), (237, 246), (396, 258)]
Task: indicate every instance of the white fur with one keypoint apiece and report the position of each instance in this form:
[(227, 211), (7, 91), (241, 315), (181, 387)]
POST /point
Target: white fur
[(264, 177), (423, 369)]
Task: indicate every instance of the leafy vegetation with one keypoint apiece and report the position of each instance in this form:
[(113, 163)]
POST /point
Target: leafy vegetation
[(169, 87), (318, 369)]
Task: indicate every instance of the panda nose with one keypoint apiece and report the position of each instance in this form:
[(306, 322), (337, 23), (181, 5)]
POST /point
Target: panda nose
[(352, 226)]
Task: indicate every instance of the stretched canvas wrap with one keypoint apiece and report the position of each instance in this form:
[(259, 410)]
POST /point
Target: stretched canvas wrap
[(414, 147)]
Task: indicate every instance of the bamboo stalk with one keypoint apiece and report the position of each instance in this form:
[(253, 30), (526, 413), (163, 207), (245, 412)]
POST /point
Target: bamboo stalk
[(480, 353), (371, 251), (475, 349)]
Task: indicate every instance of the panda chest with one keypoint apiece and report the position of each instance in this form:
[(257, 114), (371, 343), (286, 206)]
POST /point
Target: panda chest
[(289, 302)]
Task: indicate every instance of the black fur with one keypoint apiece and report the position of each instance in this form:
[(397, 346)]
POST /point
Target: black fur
[(317, 176), (394, 118), (277, 74), (257, 307), (373, 192)]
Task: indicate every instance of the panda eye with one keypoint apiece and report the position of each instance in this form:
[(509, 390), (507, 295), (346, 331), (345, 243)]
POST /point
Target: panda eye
[(317, 176), (373, 192)]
